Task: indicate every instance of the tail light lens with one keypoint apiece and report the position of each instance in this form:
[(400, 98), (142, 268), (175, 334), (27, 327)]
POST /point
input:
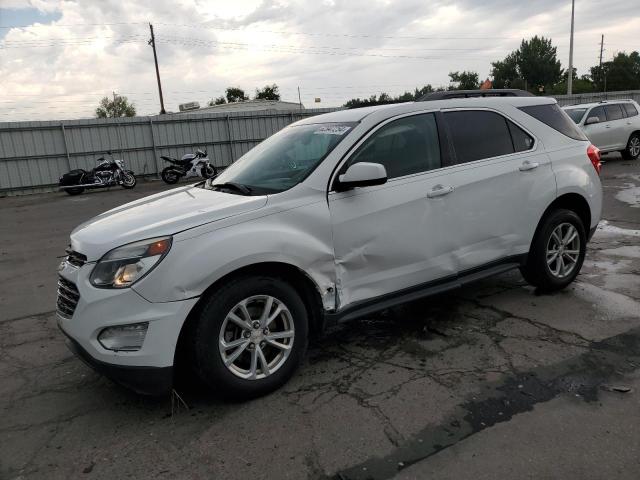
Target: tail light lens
[(593, 153)]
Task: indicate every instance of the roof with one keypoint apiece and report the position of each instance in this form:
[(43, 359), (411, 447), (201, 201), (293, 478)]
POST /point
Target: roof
[(390, 110), (248, 105), (595, 104)]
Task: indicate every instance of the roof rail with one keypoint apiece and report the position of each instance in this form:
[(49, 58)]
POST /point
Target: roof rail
[(492, 92)]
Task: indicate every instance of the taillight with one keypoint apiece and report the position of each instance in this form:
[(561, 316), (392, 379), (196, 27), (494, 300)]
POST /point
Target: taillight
[(593, 153)]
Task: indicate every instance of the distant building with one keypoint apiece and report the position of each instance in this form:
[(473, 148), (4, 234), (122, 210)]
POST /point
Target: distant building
[(247, 106), (486, 85)]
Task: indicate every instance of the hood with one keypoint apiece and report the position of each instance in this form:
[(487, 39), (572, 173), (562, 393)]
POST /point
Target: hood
[(164, 213)]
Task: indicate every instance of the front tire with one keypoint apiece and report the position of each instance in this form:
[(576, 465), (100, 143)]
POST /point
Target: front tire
[(557, 251), (209, 171), (170, 176), (633, 148), (249, 337), (128, 180)]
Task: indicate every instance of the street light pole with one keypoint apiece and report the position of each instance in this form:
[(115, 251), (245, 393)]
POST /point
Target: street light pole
[(570, 78)]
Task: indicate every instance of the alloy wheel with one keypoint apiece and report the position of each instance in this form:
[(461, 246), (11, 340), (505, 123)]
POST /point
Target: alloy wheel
[(563, 250), (256, 337), (634, 146)]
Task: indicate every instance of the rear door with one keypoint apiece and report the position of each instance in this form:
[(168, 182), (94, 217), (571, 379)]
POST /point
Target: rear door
[(502, 182), (618, 128), (599, 133), (393, 236)]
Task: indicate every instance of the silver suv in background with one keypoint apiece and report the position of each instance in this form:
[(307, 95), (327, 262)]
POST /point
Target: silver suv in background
[(612, 126), (334, 217)]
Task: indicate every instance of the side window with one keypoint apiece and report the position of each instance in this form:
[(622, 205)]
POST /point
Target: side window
[(478, 134), (405, 146), (614, 112), (522, 141), (630, 109), (598, 112)]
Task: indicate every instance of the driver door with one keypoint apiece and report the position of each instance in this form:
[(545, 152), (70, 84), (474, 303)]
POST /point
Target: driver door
[(391, 237)]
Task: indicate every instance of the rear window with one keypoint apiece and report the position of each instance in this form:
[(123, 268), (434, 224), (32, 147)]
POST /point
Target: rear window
[(553, 116), (576, 114), (630, 109), (614, 112)]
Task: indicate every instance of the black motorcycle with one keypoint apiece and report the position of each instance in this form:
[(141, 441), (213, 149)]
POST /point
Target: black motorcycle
[(190, 165), (107, 173)]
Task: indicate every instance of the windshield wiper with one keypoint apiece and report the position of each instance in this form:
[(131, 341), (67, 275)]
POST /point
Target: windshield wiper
[(239, 187)]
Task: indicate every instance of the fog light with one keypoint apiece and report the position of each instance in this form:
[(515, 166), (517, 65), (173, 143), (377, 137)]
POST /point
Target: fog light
[(124, 338)]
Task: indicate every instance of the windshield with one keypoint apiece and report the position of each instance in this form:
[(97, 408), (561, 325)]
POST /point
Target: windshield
[(282, 160), (576, 114)]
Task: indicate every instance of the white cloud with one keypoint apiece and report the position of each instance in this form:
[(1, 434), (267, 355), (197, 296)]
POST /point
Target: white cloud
[(332, 49)]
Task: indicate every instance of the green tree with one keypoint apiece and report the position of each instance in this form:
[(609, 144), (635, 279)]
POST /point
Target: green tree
[(622, 73), (235, 94), (385, 98), (538, 63), (268, 92), (217, 101), (115, 107), (505, 72), (533, 65), (464, 80)]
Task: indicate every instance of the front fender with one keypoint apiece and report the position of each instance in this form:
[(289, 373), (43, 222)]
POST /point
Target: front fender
[(300, 237)]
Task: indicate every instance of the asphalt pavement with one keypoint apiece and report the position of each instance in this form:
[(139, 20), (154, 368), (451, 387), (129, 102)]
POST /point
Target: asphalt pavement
[(490, 381)]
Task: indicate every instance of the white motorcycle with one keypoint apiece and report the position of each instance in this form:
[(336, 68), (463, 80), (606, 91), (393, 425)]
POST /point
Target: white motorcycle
[(190, 165)]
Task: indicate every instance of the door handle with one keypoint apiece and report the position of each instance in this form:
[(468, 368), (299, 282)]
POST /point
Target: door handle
[(527, 165), (439, 191), (608, 126)]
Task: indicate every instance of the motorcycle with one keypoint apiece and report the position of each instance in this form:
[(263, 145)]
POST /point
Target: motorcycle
[(190, 165), (107, 173)]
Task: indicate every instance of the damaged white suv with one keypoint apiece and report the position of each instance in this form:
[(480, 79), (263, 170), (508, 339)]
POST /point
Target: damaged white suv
[(336, 216)]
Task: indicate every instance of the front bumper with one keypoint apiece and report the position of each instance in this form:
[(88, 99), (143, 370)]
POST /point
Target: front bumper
[(148, 370), (145, 380)]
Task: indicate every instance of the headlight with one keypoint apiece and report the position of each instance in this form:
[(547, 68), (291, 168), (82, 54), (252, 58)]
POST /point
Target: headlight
[(123, 266)]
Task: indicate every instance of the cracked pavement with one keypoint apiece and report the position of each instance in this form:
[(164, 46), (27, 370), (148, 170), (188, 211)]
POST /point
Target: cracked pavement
[(489, 381)]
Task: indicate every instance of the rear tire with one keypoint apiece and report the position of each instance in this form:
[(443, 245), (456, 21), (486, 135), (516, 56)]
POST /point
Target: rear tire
[(170, 176), (259, 367), (74, 191), (633, 148), (557, 251)]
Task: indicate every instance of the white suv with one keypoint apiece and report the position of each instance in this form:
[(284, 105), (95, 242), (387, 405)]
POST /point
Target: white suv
[(334, 217), (612, 126)]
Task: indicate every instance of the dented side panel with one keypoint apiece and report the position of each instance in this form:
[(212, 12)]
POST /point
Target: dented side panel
[(299, 236), (390, 237)]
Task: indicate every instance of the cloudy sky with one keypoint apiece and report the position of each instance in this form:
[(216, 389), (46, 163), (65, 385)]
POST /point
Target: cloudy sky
[(59, 57)]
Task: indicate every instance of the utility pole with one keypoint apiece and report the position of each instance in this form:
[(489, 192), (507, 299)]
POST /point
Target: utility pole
[(601, 49), (299, 98), (570, 78), (152, 42)]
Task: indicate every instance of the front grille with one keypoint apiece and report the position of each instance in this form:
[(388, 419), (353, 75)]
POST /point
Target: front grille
[(68, 297), (76, 259)]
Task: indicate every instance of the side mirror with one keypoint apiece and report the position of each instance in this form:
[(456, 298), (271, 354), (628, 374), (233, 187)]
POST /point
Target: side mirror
[(363, 174), (592, 120)]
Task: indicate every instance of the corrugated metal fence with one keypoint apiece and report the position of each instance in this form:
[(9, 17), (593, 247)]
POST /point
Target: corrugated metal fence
[(597, 97), (33, 155)]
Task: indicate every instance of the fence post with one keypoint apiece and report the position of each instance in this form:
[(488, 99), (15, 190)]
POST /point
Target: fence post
[(230, 139), (156, 162), (66, 146)]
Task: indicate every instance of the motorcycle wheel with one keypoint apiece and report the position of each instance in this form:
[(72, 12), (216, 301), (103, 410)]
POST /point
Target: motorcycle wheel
[(128, 180), (209, 171), (170, 176), (74, 191)]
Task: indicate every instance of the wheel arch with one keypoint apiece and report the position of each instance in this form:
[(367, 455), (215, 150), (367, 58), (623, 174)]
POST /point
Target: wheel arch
[(570, 201), (305, 286)]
